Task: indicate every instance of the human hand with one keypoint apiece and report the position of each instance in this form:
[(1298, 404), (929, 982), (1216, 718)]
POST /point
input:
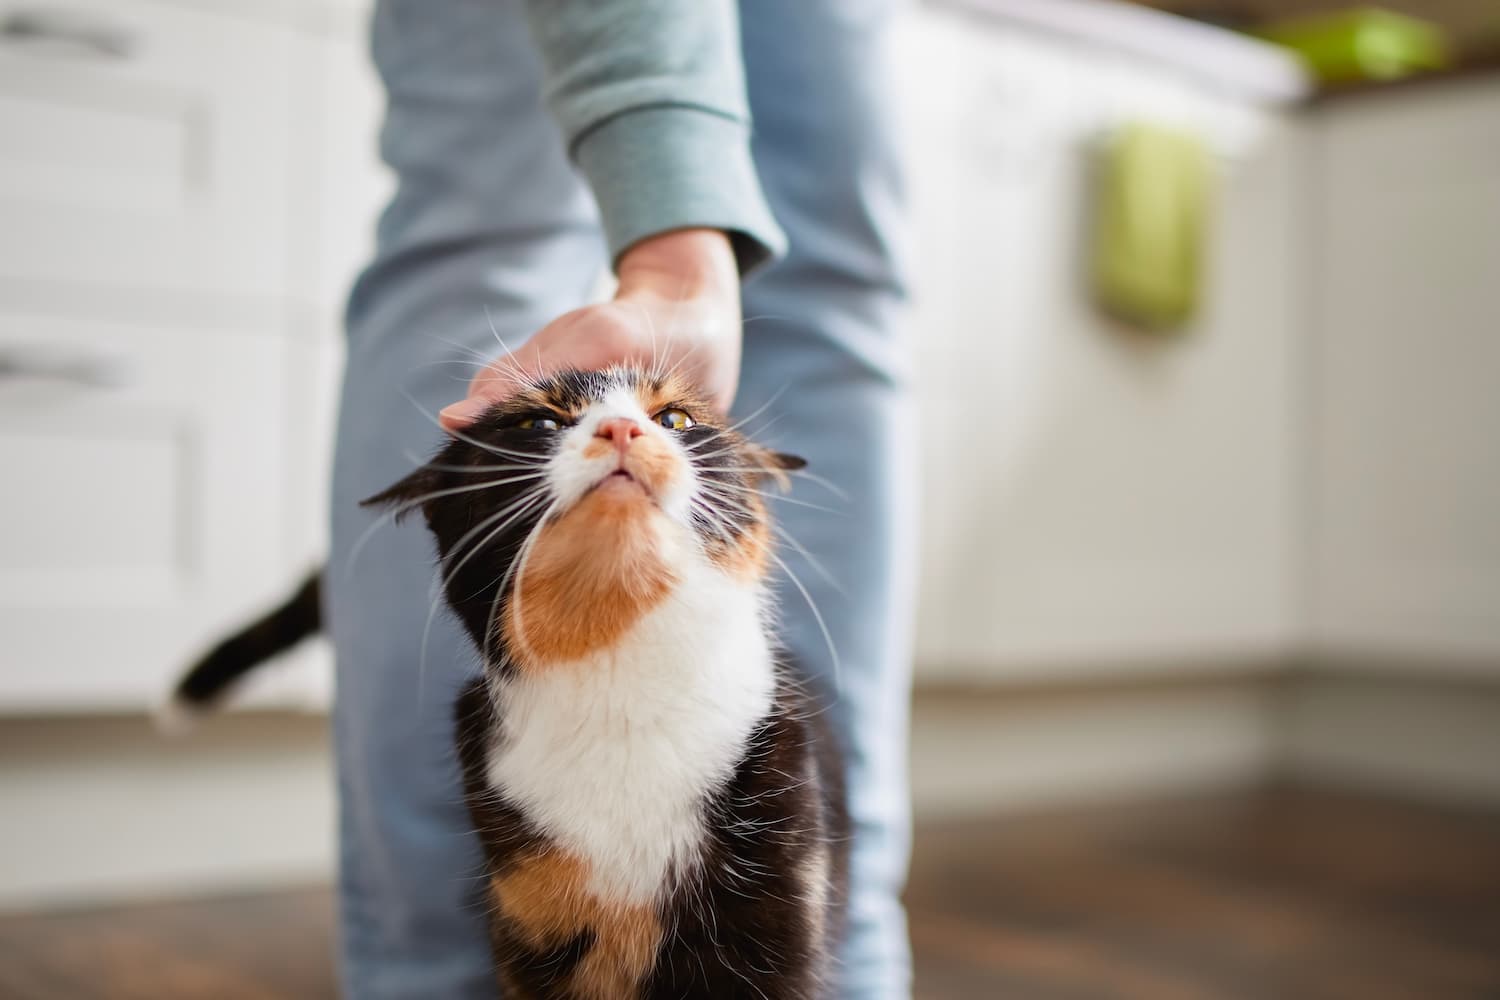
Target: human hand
[(677, 305)]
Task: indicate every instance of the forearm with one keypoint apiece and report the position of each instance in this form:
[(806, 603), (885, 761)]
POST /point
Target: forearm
[(650, 96)]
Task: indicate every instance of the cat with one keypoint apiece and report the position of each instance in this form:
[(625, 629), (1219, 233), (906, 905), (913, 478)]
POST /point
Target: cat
[(659, 799)]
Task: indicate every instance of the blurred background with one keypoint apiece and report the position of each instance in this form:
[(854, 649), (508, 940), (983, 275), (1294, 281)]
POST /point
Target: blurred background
[(1208, 670)]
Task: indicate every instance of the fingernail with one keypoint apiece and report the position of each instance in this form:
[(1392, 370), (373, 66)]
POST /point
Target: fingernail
[(462, 413)]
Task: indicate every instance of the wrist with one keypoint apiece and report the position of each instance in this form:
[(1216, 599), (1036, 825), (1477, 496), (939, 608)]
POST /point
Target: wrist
[(682, 265)]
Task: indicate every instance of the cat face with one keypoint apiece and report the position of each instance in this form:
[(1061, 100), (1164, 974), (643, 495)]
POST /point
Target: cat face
[(569, 510)]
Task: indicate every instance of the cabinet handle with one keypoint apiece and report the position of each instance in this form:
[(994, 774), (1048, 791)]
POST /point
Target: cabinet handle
[(78, 367), (72, 29)]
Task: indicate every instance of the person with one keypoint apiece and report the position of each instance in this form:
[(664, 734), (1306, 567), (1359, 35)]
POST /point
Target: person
[(535, 143)]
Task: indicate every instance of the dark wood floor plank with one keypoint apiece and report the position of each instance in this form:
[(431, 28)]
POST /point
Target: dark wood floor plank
[(264, 947), (1280, 895)]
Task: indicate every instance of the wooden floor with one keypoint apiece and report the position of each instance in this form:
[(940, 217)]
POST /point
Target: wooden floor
[(1279, 896), (1274, 896)]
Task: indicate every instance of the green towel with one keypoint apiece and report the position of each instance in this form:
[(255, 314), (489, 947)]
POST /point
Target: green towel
[(1152, 207)]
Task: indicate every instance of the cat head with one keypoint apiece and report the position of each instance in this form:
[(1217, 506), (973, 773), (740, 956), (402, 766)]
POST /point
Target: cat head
[(570, 509)]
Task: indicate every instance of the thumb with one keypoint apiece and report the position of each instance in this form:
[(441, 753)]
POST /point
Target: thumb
[(457, 416)]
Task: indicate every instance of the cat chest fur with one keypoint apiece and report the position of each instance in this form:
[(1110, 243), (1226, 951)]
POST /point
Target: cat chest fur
[(612, 756)]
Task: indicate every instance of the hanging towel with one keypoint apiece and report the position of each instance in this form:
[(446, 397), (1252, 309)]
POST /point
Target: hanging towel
[(1152, 208)]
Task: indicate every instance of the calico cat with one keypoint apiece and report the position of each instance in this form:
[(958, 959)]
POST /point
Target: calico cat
[(660, 805)]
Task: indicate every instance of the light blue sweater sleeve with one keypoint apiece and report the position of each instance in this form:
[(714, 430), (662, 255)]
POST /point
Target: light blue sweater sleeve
[(650, 95)]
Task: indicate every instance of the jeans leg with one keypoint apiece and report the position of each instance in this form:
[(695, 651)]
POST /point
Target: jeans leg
[(488, 226), (822, 332)]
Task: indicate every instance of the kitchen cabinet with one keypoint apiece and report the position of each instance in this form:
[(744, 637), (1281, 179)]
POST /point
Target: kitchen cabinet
[(1094, 502), (145, 497), (1405, 218), (145, 147), (188, 189)]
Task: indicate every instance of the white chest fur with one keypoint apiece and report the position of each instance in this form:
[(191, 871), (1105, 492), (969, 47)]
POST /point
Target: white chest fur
[(612, 755)]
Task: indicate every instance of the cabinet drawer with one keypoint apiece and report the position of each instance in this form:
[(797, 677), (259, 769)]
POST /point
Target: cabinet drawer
[(145, 145), (145, 503)]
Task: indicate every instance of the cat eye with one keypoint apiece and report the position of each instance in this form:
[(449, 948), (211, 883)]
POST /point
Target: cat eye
[(539, 424), (674, 419)]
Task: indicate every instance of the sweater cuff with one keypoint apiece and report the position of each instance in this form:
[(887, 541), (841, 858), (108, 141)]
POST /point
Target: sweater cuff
[(667, 167)]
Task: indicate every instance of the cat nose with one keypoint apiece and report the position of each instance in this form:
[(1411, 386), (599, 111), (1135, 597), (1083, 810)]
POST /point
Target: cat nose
[(620, 430)]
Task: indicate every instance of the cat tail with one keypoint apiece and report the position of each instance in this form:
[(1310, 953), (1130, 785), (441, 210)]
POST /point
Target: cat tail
[(207, 681)]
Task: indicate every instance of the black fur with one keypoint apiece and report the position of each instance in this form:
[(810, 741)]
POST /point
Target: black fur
[(736, 930), (212, 676)]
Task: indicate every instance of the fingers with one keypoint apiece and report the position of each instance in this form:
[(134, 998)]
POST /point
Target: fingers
[(498, 381), (457, 416), (590, 338), (619, 332)]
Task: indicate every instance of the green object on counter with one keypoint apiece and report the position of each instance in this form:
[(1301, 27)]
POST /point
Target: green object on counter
[(1367, 43), (1152, 209)]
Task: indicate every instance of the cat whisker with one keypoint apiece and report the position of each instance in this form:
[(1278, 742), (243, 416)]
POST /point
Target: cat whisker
[(539, 461), (758, 410), (838, 673), (493, 449), (681, 361), (510, 515), (479, 355), (449, 491), (441, 362), (515, 571), (812, 560), (506, 376), (460, 435), (715, 484), (651, 332), (798, 473), (517, 467), (758, 317), (822, 481), (730, 446), (390, 516), (693, 453), (515, 361), (723, 529)]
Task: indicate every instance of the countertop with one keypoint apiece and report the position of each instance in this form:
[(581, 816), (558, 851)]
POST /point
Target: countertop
[(1218, 58)]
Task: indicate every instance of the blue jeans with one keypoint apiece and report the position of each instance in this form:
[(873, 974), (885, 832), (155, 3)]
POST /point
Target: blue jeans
[(491, 225)]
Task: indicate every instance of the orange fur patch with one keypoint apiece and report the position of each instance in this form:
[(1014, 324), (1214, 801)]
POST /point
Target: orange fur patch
[(745, 558), (654, 463), (546, 899), (590, 576)]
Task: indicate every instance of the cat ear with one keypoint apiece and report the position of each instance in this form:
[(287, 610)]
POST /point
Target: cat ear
[(791, 463), (406, 493), (775, 465)]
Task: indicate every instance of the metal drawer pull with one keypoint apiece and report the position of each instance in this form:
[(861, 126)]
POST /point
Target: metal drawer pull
[(69, 28), (63, 365)]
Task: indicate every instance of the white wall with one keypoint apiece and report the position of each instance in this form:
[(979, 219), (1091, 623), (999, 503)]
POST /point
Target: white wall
[(105, 808), (1405, 460)]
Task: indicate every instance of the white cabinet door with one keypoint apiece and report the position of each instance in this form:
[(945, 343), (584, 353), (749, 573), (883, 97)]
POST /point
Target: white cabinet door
[(1094, 503), (143, 509), (1407, 444), (144, 147)]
